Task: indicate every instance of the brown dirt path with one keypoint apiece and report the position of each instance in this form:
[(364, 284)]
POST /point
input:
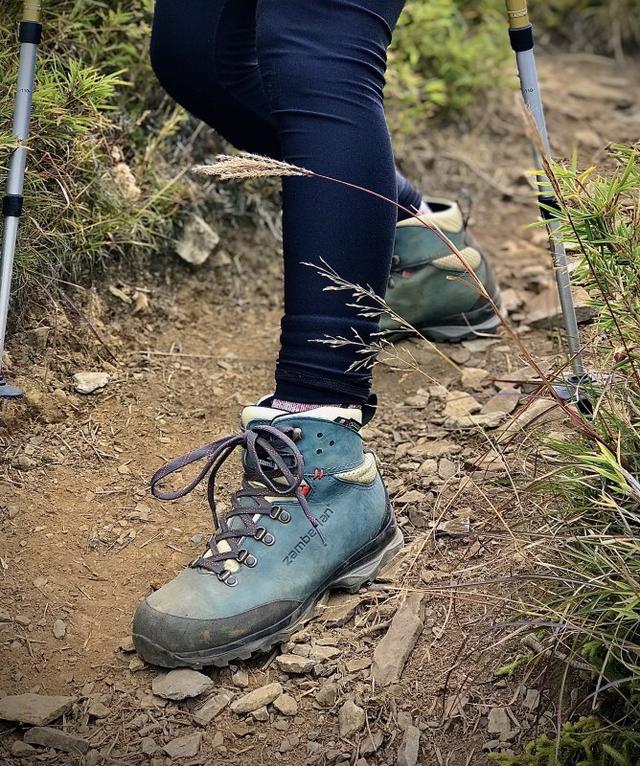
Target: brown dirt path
[(83, 541)]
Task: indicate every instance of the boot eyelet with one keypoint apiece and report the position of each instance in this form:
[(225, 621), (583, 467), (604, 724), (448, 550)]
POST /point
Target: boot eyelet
[(275, 512), (227, 578), (264, 536), (284, 517), (395, 260), (246, 558), (296, 434)]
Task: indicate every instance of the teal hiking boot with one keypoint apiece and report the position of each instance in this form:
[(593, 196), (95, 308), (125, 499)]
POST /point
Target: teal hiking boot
[(312, 514), (429, 287)]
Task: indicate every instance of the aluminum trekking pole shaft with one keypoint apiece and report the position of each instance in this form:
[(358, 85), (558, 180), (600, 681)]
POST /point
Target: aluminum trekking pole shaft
[(30, 36), (521, 35)]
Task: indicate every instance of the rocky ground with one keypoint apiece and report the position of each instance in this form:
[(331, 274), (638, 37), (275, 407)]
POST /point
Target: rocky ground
[(407, 670)]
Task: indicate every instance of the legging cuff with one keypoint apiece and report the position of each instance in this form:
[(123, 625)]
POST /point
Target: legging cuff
[(312, 371)]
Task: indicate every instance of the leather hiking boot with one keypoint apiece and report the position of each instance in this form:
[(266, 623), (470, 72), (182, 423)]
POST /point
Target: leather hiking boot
[(312, 514), (429, 287)]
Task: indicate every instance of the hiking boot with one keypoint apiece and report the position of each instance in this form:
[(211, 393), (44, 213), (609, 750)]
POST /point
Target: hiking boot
[(429, 287), (312, 514)]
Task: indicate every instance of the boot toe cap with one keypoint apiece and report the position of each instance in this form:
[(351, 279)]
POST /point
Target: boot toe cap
[(189, 622)]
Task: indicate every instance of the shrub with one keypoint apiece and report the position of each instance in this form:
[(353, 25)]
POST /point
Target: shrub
[(445, 56), (96, 182), (592, 543), (607, 26)]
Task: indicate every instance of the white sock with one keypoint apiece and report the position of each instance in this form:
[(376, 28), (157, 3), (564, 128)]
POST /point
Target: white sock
[(283, 404)]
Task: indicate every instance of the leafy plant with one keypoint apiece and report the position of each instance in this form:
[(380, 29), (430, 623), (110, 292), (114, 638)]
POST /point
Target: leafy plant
[(445, 56), (591, 603), (97, 182)]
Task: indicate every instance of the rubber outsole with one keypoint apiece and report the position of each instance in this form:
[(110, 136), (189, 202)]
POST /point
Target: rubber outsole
[(361, 572), (454, 333)]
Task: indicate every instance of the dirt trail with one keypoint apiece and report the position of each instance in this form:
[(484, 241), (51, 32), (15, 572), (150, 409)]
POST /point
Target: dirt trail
[(83, 541)]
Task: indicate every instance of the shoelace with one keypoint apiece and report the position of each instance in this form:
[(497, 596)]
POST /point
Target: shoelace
[(253, 439)]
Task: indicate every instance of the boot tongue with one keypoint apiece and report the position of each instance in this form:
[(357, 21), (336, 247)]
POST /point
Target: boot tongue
[(256, 413)]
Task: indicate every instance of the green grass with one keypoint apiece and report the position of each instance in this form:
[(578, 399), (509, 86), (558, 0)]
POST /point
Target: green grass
[(97, 183), (592, 511)]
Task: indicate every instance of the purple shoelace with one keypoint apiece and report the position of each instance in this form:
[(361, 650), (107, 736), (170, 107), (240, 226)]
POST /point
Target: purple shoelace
[(268, 464)]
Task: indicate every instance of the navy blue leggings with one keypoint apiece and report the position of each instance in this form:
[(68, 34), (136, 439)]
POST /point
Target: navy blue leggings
[(302, 81)]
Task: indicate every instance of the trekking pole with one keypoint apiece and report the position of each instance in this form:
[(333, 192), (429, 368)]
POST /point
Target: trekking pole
[(521, 36), (12, 204)]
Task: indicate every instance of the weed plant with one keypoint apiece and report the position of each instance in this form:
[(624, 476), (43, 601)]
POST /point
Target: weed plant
[(590, 608)]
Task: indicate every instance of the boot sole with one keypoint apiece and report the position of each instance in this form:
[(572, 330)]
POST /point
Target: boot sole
[(360, 572), (453, 333)]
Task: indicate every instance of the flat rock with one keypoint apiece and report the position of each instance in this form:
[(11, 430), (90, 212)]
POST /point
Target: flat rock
[(371, 743), (544, 310), (502, 403), (286, 704), (198, 241), (20, 749), (531, 699), (90, 382), (534, 413), (459, 404), (434, 449), (512, 299), (410, 746), (59, 629), (412, 496), (447, 469), (240, 678), (184, 747), (149, 746), (323, 653), (265, 695), (454, 527), (261, 714), (327, 694), (473, 377), (478, 345), (97, 709), (499, 722), (34, 709), (466, 422), (392, 652), (212, 708), (295, 664), (340, 610), (58, 740), (351, 719), (181, 684)]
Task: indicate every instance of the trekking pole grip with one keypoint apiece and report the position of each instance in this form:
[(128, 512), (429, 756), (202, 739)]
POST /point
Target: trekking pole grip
[(32, 10), (518, 13), (520, 28)]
